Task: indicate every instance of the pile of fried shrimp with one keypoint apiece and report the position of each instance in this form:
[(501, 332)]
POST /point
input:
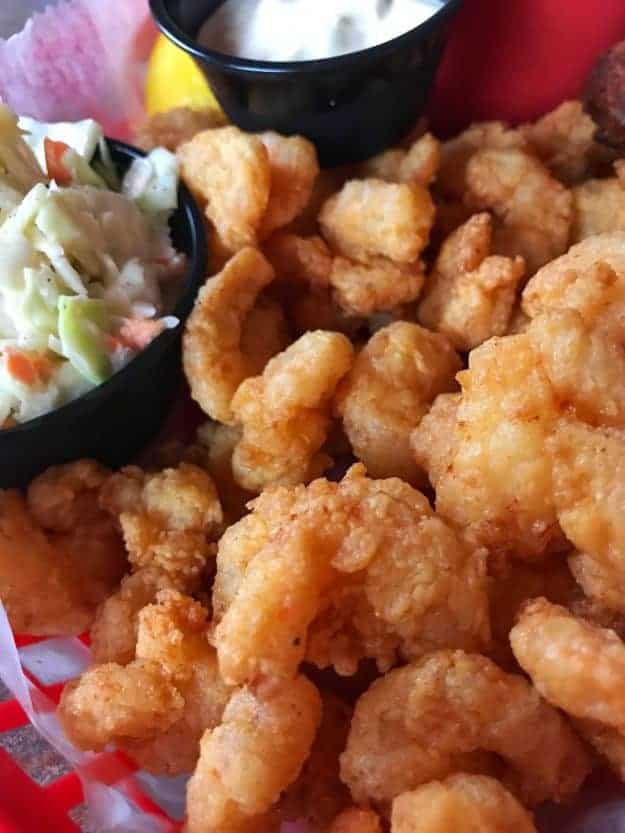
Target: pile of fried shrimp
[(383, 588)]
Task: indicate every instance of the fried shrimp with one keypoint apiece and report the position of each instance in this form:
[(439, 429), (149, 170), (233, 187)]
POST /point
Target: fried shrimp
[(419, 164), (173, 127), (284, 414), (175, 517), (470, 294), (229, 171), (578, 667), (370, 218), (212, 353), (289, 587), (589, 496), (174, 665), (491, 474), (599, 205), (356, 820), (375, 286), (460, 804), (394, 380), (299, 260), (563, 140), (417, 723), (533, 210), (589, 278), (294, 169), (256, 752)]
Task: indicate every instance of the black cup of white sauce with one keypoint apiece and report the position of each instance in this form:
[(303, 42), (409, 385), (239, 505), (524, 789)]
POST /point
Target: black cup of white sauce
[(351, 106)]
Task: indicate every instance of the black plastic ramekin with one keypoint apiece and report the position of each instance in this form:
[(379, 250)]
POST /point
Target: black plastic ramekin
[(118, 418), (351, 106)]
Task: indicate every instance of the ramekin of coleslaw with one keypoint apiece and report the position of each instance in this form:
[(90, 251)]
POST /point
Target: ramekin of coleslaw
[(101, 254)]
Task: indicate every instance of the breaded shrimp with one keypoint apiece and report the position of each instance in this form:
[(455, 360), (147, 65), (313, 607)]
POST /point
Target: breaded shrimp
[(394, 380), (491, 474), (419, 164), (416, 723), (375, 286), (212, 354), (256, 752), (299, 260), (563, 140), (285, 413), (356, 820), (599, 205), (360, 588), (578, 667), (294, 169), (370, 218), (589, 496), (470, 294), (460, 804), (230, 173), (173, 127), (533, 210)]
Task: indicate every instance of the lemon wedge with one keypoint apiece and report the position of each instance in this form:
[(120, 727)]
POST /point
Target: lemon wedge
[(174, 80)]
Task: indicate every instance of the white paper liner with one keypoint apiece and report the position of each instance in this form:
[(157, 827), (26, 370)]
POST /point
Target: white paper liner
[(110, 809)]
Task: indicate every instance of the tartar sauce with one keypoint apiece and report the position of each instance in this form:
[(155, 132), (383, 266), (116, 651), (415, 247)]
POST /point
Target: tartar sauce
[(305, 30)]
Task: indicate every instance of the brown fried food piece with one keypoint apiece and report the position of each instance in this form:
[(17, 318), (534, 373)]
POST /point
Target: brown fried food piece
[(589, 496), (491, 474), (460, 804), (256, 752), (65, 496), (370, 218), (285, 413), (299, 260), (564, 140), (294, 169), (220, 442), (114, 629), (604, 96), (362, 289), (173, 127), (599, 205), (456, 153), (356, 820), (589, 278), (318, 794), (213, 358), (114, 704), (353, 589), (578, 667), (533, 210), (419, 164), (394, 380), (230, 173), (417, 723), (470, 294), (174, 517)]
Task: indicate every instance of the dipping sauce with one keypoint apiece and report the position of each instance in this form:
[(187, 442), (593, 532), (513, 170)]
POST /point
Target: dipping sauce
[(307, 30)]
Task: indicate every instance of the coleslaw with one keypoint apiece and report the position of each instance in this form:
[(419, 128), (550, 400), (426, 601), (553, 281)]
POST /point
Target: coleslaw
[(87, 268)]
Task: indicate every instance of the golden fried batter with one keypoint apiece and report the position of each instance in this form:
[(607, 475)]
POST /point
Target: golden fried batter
[(470, 294), (599, 205), (230, 173), (369, 218), (533, 210), (356, 820), (214, 361), (173, 127), (491, 473), (397, 587), (294, 169), (375, 286), (460, 804), (256, 752), (415, 724), (394, 380), (285, 413), (419, 164)]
